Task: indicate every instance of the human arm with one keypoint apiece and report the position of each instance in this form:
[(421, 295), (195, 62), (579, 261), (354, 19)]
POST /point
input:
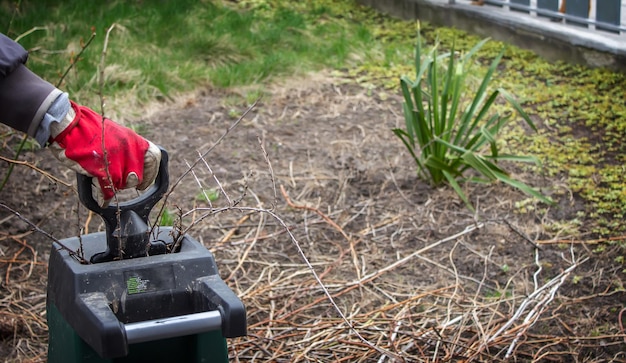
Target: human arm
[(36, 107), (25, 98)]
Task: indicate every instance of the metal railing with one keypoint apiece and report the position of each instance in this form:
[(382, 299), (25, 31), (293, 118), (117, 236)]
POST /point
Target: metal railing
[(602, 15)]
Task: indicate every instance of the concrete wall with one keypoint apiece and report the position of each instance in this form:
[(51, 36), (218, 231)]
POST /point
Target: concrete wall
[(553, 41)]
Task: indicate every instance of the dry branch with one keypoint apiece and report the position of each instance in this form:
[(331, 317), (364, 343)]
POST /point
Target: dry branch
[(40, 171)]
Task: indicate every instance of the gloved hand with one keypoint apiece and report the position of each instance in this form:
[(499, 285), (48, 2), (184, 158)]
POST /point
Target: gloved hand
[(77, 142)]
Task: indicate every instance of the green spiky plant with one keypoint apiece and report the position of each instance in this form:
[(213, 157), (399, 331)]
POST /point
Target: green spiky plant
[(450, 127)]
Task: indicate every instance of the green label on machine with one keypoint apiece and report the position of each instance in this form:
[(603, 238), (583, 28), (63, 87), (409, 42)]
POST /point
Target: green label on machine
[(147, 280), (136, 285)]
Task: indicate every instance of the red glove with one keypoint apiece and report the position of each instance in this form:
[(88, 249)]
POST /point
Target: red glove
[(77, 142)]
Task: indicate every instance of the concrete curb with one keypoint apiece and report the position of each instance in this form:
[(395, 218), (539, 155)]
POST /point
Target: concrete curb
[(553, 41)]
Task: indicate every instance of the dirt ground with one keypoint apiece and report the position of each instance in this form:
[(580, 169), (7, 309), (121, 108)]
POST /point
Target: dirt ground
[(416, 276)]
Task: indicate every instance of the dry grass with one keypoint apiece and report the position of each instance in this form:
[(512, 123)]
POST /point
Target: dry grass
[(22, 318), (391, 311), (339, 254)]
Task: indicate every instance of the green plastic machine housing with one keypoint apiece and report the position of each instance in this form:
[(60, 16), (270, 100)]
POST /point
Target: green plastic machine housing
[(137, 294), (91, 307)]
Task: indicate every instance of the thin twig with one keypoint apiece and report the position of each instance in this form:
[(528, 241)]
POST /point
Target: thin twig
[(269, 165), (217, 181), (16, 9), (29, 32), (102, 105), (40, 171), (104, 150), (522, 234), (578, 241), (76, 59), (39, 230), (316, 211), (201, 158)]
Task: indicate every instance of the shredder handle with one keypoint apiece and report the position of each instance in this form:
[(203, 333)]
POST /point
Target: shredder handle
[(142, 205), (173, 327), (127, 222), (100, 328)]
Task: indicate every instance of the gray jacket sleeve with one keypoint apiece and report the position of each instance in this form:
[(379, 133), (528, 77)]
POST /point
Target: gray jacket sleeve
[(24, 96), (12, 55)]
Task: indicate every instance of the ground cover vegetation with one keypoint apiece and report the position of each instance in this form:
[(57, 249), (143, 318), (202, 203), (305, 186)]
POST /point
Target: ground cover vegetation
[(172, 48), (160, 52)]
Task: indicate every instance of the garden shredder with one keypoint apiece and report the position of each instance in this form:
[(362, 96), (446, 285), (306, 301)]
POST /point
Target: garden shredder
[(144, 296)]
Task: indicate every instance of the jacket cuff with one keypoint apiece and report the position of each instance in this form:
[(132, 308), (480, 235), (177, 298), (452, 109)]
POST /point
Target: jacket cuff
[(56, 114)]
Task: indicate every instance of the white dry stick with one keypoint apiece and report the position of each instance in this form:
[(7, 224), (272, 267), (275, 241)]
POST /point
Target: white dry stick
[(534, 314), (259, 230), (541, 297), (394, 334), (215, 178), (404, 260), (539, 268), (269, 165), (206, 197), (451, 301)]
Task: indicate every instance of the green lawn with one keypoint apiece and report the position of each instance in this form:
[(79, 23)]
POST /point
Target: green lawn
[(160, 48)]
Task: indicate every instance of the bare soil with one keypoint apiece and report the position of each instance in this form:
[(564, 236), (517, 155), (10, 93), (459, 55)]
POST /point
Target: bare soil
[(416, 274)]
